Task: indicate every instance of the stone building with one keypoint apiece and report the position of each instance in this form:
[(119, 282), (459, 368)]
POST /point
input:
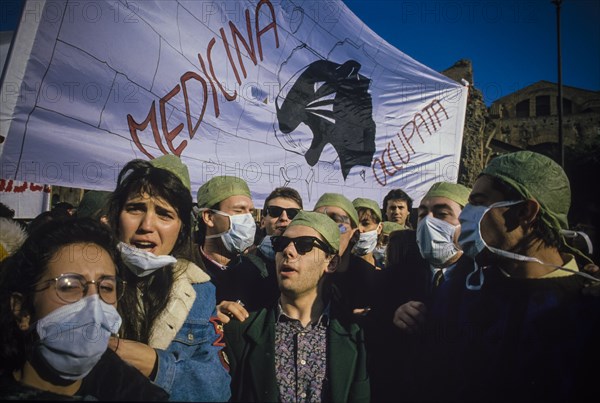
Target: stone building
[(528, 118)]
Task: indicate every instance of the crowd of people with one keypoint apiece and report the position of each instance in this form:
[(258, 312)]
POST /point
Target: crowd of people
[(144, 293)]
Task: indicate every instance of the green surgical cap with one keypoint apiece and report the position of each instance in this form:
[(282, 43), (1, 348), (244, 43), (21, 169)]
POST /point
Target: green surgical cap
[(173, 164), (538, 177), (220, 188), (320, 223), (391, 226), (453, 191), (361, 202), (338, 200), (93, 204)]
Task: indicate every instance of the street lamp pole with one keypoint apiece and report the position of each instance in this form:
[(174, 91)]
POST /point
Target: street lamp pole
[(561, 145)]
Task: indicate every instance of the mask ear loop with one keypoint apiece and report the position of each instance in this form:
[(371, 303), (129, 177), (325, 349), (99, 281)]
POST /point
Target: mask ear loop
[(573, 234), (522, 258), (221, 213), (475, 287)]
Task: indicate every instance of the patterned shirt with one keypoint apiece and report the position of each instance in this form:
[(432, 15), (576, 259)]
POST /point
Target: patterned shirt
[(301, 358)]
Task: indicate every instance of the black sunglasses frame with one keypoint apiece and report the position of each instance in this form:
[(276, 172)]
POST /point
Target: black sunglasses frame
[(291, 211), (300, 243)]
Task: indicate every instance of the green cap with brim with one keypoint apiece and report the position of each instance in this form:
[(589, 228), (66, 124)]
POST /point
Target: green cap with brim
[(320, 223), (338, 200), (538, 177), (361, 202), (93, 204), (391, 226), (173, 164), (220, 188), (453, 191)]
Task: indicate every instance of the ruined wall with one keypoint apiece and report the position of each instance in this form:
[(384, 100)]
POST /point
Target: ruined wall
[(473, 152)]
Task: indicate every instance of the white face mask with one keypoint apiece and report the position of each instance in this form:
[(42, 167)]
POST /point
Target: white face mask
[(435, 238), (366, 243), (240, 235), (74, 336), (470, 239), (472, 243), (143, 263), (266, 247), (379, 253)]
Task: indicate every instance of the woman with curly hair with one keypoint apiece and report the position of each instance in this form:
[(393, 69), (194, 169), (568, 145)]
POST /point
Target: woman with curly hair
[(58, 298)]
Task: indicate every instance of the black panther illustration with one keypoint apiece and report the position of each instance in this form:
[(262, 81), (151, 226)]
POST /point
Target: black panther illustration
[(333, 101)]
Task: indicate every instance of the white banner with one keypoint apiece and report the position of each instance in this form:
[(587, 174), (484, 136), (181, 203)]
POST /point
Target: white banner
[(280, 93), (27, 199)]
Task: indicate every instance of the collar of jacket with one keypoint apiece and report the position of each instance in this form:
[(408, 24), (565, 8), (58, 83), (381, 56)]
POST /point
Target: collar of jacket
[(180, 302), (342, 354)]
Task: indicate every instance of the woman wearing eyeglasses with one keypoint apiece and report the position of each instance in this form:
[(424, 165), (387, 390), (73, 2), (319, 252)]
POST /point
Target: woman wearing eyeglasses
[(170, 331), (58, 299)]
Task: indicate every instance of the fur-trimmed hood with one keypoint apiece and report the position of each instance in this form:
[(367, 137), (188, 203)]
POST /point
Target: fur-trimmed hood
[(12, 236)]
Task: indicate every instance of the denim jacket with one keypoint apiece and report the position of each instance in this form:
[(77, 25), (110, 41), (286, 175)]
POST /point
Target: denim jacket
[(191, 366)]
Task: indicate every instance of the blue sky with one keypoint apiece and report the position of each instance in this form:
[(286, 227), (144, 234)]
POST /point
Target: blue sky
[(511, 43)]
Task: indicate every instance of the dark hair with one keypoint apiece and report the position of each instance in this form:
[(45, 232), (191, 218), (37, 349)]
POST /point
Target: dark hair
[(63, 206), (365, 211), (136, 178), (362, 211), (6, 211), (20, 272), (44, 217), (397, 194), (549, 236), (396, 249), (285, 193)]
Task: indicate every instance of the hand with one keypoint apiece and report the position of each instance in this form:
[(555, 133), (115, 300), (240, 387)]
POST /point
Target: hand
[(229, 309), (592, 288), (361, 311), (410, 317), (140, 355)]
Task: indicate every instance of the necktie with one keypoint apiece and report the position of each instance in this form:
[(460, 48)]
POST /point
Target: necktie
[(438, 278)]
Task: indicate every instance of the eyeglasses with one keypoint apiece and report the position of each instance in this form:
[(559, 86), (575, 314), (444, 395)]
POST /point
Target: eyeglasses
[(71, 287), (303, 244), (276, 211), (341, 220)]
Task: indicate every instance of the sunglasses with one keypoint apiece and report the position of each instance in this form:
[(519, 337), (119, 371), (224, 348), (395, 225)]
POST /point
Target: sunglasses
[(276, 211), (303, 244)]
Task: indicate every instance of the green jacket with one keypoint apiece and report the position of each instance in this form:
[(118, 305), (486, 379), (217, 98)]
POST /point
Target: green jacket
[(250, 347)]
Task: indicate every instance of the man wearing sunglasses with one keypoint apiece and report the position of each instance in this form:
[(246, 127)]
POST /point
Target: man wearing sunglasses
[(303, 348), (281, 206)]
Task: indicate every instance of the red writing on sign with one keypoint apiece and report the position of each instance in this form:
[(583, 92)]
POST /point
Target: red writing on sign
[(8, 186), (399, 150), (205, 79)]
